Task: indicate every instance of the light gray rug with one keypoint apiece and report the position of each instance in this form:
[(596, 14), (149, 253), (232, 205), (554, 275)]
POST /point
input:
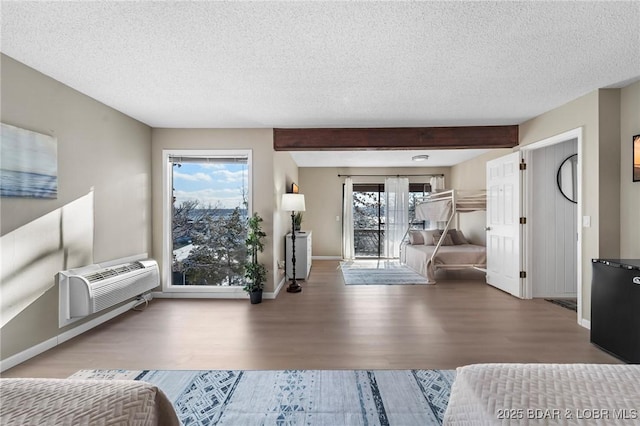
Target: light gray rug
[(379, 272), (298, 397)]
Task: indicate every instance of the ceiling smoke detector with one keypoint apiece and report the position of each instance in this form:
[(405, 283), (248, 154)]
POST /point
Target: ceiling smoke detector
[(423, 157)]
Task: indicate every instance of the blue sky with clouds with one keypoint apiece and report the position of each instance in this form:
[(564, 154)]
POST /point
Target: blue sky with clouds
[(211, 184)]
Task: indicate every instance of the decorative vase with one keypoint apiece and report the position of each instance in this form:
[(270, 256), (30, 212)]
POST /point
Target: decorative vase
[(256, 297)]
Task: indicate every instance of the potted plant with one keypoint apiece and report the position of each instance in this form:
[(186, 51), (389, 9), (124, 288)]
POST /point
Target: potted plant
[(254, 272), (297, 221)]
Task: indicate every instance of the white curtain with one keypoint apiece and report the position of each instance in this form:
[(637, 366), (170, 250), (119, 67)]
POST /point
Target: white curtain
[(396, 191), (437, 183), (348, 247)]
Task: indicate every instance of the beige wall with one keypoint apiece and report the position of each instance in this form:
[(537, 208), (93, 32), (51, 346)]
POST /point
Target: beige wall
[(608, 196), (629, 190), (583, 112), (103, 173), (285, 172), (471, 175), (105, 164), (609, 172), (323, 197), (259, 141)]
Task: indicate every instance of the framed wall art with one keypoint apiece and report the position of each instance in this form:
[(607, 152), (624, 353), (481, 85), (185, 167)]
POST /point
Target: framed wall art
[(28, 163), (636, 158)]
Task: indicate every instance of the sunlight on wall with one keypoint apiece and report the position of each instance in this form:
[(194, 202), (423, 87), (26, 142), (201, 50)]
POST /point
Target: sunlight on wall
[(126, 237), (35, 252)]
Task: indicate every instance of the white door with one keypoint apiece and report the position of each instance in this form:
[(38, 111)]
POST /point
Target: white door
[(503, 224)]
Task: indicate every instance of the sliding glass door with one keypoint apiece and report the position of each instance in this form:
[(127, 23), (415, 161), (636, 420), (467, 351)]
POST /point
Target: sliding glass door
[(369, 212), (368, 220)]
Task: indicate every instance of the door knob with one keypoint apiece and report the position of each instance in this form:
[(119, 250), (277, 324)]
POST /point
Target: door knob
[(488, 228)]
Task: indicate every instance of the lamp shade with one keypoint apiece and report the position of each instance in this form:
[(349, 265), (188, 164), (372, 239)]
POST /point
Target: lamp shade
[(293, 202)]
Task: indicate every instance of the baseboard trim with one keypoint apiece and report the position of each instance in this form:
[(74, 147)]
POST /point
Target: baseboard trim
[(326, 257), (27, 354), (274, 294), (51, 343), (585, 323), (201, 295), (216, 295)]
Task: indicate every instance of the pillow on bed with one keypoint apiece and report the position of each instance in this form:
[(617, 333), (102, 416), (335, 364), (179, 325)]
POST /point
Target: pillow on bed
[(458, 237), (447, 241), (416, 237), (428, 234)]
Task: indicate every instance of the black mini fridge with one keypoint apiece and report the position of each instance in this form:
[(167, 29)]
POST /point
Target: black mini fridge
[(615, 307)]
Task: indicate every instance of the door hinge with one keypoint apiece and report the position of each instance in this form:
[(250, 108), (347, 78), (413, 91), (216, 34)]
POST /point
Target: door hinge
[(523, 165), (523, 220), (523, 274)]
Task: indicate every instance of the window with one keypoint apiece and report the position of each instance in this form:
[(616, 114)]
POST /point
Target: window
[(417, 190), (368, 220), (206, 211), (369, 216)]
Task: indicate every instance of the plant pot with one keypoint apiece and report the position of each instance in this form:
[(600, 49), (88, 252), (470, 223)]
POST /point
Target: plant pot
[(256, 297)]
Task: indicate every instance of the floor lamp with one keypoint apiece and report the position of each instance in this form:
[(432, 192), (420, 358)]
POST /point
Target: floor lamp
[(293, 203)]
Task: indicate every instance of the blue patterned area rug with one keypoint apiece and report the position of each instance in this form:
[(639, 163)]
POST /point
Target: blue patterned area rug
[(298, 397), (379, 272)]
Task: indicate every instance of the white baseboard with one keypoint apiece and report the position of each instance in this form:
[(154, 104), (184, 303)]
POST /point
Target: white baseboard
[(585, 323), (29, 353), (21, 357), (236, 294), (274, 294), (326, 257), (200, 295)]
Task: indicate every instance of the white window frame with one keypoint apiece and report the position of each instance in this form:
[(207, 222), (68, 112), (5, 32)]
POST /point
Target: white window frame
[(204, 291)]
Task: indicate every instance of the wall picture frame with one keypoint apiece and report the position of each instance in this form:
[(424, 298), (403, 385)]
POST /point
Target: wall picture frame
[(295, 189), (636, 158), (28, 163)]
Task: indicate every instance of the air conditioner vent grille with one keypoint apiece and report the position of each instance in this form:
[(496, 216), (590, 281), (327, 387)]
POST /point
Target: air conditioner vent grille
[(112, 272), (105, 286)]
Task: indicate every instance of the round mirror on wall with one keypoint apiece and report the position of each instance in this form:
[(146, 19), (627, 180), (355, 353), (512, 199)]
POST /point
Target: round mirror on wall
[(568, 178)]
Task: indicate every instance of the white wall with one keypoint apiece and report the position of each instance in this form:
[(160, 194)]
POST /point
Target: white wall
[(553, 224), (104, 181)]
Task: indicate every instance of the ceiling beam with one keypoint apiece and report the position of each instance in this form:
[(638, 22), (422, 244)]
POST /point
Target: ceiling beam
[(333, 139)]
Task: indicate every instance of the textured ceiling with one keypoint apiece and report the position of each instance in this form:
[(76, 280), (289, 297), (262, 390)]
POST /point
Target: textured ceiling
[(328, 64)]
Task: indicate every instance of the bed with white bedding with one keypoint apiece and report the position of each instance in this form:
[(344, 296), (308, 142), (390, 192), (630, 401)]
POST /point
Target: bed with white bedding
[(84, 402), (536, 394), (461, 256), (458, 253), (445, 248)]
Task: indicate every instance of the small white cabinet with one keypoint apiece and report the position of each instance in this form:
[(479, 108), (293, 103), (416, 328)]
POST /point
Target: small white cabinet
[(303, 255)]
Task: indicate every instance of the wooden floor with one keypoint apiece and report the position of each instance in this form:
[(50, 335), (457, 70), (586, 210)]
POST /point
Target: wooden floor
[(330, 326)]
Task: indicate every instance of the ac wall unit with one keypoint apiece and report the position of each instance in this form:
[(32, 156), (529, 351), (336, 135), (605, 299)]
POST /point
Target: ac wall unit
[(93, 288)]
